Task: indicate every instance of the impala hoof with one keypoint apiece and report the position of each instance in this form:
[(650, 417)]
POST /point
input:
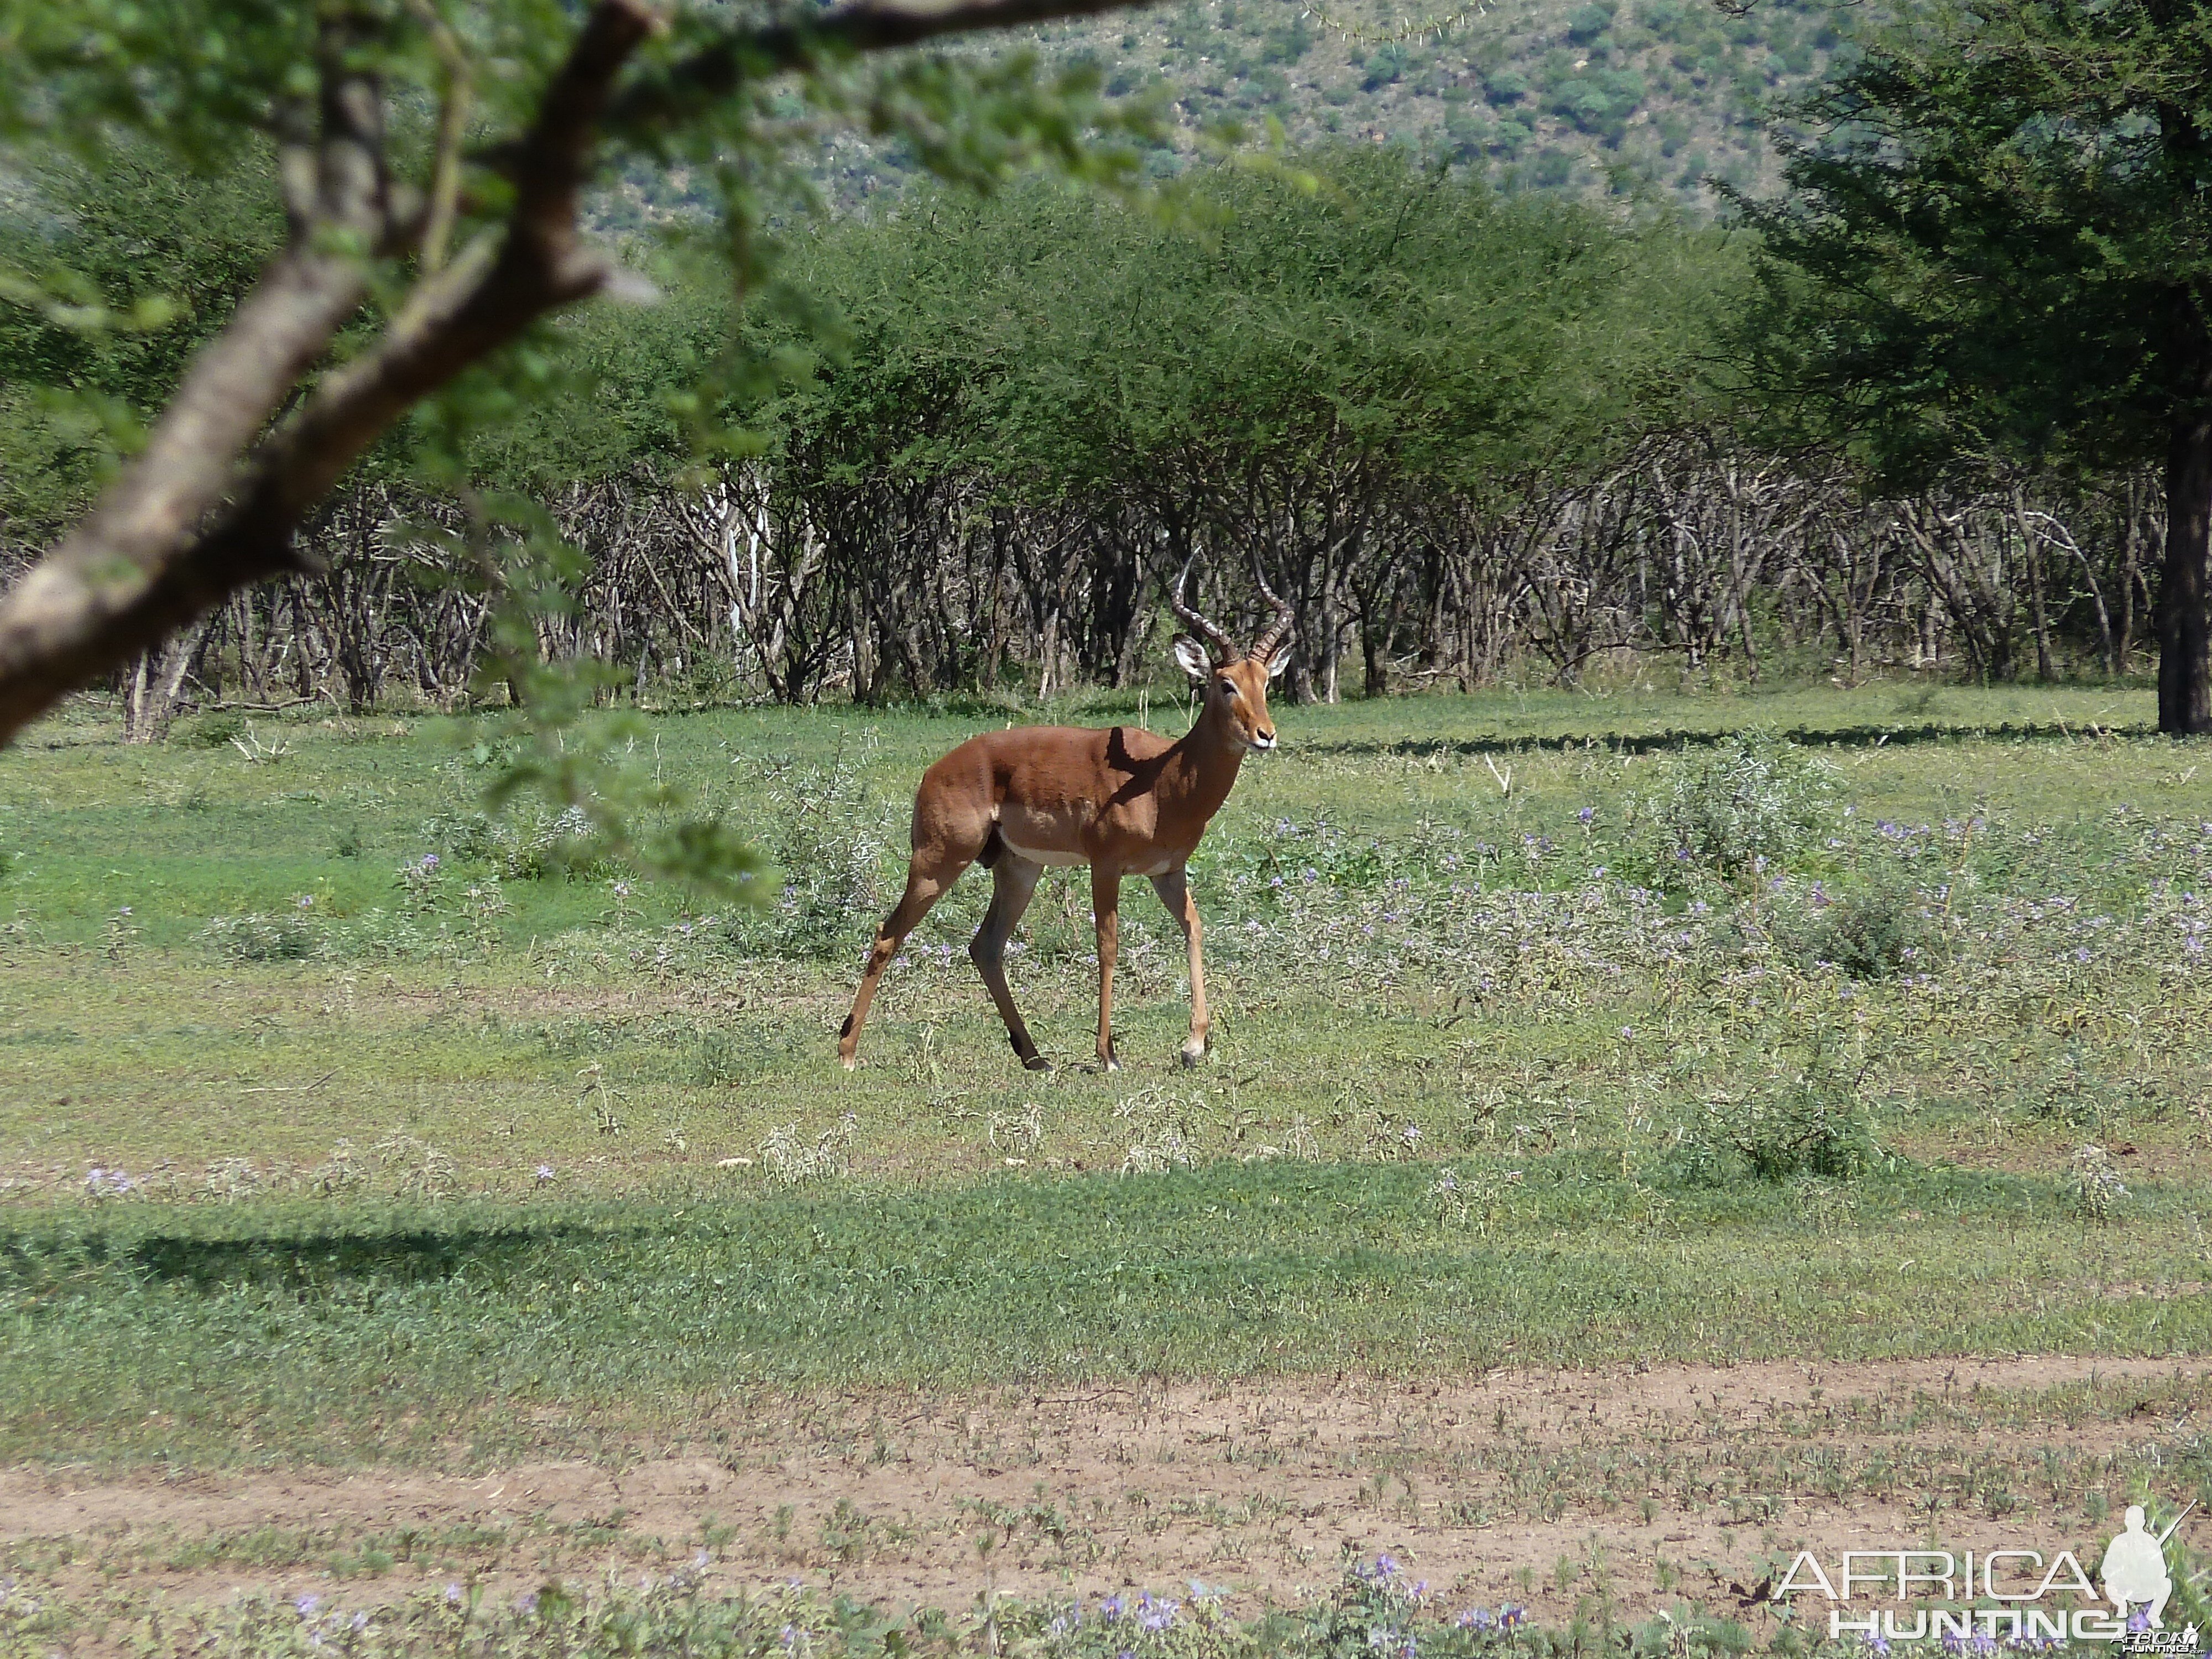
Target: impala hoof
[(1193, 1053), (1109, 1063), (1037, 1063)]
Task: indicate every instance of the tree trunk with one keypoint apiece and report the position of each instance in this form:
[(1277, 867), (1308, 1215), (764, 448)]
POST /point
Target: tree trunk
[(1331, 641), (2031, 549), (135, 729), (155, 686), (2184, 690)]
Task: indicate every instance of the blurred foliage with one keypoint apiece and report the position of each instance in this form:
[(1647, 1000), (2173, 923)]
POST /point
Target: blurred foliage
[(146, 150), (119, 272)]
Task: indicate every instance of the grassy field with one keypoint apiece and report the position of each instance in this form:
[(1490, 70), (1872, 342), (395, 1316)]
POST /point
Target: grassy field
[(1552, 1030), (344, 1128)]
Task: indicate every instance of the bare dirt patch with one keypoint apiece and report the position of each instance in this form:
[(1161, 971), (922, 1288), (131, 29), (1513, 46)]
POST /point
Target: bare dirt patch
[(1644, 1487)]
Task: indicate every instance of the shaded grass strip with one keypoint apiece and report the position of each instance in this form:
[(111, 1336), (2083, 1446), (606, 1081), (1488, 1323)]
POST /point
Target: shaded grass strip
[(145, 1332)]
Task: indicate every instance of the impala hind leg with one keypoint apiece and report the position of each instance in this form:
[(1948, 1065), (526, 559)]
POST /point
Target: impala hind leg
[(1106, 915), (1013, 884), (1174, 889), (925, 882)]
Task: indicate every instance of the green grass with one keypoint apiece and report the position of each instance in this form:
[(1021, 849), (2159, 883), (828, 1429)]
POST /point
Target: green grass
[(668, 1612), (394, 1327), (559, 1163), (182, 833)]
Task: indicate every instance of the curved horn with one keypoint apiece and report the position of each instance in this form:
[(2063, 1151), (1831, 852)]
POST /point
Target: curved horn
[(1284, 616), (1198, 625)]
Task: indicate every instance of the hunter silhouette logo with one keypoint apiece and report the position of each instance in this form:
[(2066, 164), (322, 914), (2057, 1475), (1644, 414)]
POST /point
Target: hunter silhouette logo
[(2133, 1568)]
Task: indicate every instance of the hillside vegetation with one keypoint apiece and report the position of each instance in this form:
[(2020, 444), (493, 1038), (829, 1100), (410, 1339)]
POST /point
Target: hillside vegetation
[(1661, 99), (1538, 93)]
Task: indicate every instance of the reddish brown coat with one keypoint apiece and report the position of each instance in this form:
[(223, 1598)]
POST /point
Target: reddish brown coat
[(1123, 800)]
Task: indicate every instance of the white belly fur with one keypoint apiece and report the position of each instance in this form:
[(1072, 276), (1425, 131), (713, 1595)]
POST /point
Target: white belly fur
[(1157, 868), (1035, 857)]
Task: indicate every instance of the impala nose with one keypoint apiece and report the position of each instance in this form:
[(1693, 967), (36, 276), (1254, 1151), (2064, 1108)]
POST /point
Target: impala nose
[(1263, 739)]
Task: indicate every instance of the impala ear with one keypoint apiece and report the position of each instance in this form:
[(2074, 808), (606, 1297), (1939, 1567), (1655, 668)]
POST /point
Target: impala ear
[(1192, 657), (1279, 660)]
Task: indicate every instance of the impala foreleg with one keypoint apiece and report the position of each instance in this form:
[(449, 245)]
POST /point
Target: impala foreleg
[(925, 885), (1174, 889), (1106, 914), (1014, 881)]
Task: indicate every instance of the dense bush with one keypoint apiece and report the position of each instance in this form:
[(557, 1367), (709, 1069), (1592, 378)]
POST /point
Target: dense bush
[(1811, 1124), (1869, 929), (1734, 809)]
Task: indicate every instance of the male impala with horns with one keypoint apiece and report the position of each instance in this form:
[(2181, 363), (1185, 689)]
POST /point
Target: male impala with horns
[(1124, 802)]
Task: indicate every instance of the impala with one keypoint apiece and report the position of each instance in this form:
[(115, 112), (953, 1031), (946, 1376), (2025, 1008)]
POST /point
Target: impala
[(1123, 801)]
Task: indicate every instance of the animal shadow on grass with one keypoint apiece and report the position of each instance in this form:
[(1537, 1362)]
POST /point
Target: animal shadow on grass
[(1650, 743), (315, 1263)]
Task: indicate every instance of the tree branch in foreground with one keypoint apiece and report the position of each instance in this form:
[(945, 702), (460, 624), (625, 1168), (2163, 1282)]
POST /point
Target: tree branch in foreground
[(204, 509)]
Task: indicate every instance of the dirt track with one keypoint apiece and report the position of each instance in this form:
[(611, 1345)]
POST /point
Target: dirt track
[(1482, 1487)]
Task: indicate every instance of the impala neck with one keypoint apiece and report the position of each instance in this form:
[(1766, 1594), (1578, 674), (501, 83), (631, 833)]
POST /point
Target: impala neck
[(1208, 757)]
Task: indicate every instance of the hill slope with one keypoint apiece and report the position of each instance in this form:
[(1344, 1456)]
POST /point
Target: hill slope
[(1580, 97), (1557, 94)]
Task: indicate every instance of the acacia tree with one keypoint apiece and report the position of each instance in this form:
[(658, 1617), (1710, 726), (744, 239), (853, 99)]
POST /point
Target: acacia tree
[(1996, 251), (1356, 334), (430, 157)]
